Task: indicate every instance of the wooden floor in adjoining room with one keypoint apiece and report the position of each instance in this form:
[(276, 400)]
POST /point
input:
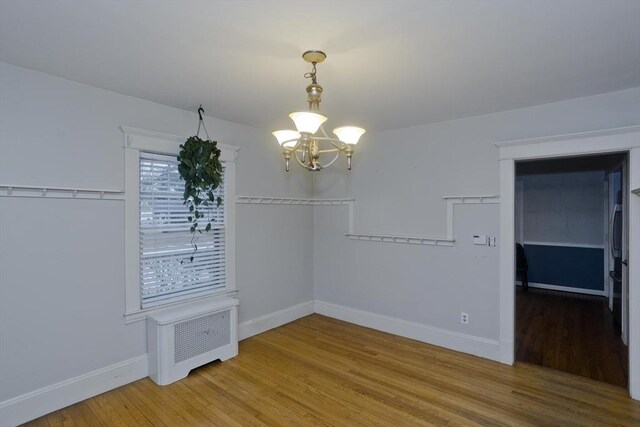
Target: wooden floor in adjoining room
[(321, 371), (573, 333)]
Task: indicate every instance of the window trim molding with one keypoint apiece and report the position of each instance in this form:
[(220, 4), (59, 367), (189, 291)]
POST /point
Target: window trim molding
[(135, 141)]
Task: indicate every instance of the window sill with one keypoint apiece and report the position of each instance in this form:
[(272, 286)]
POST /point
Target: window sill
[(140, 315)]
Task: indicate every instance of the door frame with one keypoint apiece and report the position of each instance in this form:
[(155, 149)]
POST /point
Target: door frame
[(519, 201), (608, 281), (622, 167), (618, 140)]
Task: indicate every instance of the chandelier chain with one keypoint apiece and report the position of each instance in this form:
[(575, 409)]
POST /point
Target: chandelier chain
[(312, 74)]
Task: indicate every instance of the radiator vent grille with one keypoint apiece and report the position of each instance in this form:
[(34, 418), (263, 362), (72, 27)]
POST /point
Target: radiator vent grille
[(201, 335)]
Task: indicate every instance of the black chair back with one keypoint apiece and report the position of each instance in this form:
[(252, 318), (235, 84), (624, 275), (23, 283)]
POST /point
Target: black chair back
[(521, 258)]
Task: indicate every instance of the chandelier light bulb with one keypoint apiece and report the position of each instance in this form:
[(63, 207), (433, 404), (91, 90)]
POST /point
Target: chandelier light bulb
[(307, 121), (349, 134), (287, 138)]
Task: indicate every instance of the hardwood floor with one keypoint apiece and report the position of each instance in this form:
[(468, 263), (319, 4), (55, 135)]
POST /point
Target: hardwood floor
[(321, 371), (572, 333)]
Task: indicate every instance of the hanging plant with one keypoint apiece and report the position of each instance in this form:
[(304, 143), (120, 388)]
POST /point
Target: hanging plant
[(200, 168)]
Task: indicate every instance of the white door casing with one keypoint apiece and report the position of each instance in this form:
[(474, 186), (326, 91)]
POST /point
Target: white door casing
[(618, 140)]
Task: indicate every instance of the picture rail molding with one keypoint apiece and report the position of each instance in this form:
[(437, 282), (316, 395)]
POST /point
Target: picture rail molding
[(262, 200), (42, 191), (448, 240)]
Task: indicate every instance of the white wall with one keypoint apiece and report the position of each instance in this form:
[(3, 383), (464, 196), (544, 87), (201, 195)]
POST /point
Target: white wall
[(412, 282), (62, 262), (398, 180), (564, 207)]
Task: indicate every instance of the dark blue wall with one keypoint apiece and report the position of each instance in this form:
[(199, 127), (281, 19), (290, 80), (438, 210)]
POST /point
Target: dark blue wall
[(566, 266)]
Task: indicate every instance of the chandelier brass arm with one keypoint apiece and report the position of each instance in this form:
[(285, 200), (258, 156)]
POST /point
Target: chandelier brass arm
[(302, 148)]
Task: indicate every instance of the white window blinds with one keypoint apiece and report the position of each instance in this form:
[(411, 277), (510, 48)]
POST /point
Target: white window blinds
[(165, 240)]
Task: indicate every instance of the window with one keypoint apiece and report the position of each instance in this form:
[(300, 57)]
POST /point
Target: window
[(158, 272), (166, 272)]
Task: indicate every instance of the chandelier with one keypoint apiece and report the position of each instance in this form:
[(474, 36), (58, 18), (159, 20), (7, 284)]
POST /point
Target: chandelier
[(310, 141)]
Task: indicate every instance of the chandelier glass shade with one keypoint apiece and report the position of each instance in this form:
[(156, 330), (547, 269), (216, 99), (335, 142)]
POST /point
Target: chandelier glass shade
[(307, 122), (310, 141)]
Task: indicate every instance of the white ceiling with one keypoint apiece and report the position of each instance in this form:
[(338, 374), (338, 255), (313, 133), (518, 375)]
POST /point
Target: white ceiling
[(390, 64)]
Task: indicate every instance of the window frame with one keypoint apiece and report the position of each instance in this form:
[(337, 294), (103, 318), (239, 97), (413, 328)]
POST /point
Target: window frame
[(135, 142)]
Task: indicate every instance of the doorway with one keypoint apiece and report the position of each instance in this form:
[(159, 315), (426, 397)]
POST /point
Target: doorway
[(627, 140), (571, 235)]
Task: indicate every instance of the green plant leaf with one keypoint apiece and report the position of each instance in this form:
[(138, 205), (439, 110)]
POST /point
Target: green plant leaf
[(200, 168)]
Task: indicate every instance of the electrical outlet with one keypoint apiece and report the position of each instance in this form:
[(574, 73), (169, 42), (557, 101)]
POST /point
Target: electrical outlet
[(464, 318)]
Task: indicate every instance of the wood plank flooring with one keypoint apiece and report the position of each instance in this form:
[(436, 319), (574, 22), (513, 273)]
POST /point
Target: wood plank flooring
[(572, 333), (321, 371)]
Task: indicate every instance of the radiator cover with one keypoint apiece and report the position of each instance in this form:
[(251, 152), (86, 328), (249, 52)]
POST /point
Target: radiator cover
[(184, 338)]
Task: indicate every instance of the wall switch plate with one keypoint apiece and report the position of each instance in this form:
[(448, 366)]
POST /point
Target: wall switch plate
[(464, 318), (493, 241), (480, 240)]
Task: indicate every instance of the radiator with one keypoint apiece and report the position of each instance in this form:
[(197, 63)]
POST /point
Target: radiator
[(184, 338)]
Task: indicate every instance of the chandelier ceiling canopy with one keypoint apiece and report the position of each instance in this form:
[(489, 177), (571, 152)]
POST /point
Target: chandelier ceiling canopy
[(309, 142)]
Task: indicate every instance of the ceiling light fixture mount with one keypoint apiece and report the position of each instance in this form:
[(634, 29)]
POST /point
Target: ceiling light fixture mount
[(303, 144)]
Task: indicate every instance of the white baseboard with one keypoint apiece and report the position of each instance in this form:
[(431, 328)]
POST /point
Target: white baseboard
[(441, 337), (564, 289), (273, 320), (32, 405), (507, 355), (634, 391)]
